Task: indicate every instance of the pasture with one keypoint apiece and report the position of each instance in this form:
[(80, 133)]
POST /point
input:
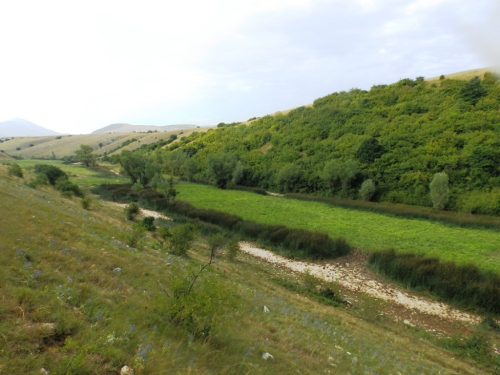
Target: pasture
[(364, 230)]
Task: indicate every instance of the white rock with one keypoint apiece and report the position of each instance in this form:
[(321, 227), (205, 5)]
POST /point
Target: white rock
[(117, 269), (44, 372), (126, 371), (266, 310), (267, 356)]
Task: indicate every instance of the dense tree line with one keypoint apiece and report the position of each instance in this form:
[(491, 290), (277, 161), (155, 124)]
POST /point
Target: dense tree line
[(384, 144)]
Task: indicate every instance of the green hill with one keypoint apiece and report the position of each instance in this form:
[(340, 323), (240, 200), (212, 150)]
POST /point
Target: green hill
[(398, 135)]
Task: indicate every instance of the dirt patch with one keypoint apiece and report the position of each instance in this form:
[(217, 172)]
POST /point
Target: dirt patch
[(156, 215), (351, 274)]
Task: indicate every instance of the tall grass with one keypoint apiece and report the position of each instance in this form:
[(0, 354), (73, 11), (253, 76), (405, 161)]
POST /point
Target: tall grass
[(297, 243), (465, 285)]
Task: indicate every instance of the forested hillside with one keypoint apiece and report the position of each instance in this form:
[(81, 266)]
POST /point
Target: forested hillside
[(385, 144)]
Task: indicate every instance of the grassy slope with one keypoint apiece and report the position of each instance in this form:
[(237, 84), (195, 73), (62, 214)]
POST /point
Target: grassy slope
[(56, 266), (365, 230), (44, 146)]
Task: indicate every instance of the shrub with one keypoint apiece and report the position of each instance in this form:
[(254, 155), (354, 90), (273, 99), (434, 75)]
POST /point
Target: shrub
[(86, 202), (15, 170), (147, 223), (198, 301), (233, 250), (180, 239), (136, 235), (464, 284), (68, 188), (439, 190), (51, 172), (131, 211), (367, 190)]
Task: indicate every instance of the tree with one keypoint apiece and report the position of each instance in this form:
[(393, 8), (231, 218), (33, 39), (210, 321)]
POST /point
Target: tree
[(166, 187), (472, 91), (289, 178), (221, 168), (84, 155), (369, 150), (344, 172), (367, 190), (439, 190), (139, 167)]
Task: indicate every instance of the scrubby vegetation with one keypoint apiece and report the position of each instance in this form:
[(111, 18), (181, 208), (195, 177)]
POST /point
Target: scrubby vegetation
[(399, 136), (465, 285), (292, 242)]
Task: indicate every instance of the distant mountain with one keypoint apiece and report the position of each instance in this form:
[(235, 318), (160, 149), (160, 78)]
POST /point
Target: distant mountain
[(17, 127), (128, 128)]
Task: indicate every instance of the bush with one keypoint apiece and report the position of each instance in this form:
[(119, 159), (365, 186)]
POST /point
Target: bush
[(15, 170), (51, 172), (136, 235), (181, 238), (233, 250), (147, 223), (367, 190), (68, 188), (86, 202), (131, 211), (465, 284), (439, 190), (198, 301)]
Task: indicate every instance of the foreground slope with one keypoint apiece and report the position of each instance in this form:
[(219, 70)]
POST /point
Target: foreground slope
[(76, 299)]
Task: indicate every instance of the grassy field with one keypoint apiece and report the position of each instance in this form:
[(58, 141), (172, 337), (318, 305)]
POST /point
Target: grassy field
[(77, 300), (364, 230), (78, 173), (65, 145)]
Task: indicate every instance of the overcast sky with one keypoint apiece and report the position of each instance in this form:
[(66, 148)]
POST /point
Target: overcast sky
[(75, 67)]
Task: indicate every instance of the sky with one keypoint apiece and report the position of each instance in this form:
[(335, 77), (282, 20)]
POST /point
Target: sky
[(74, 67)]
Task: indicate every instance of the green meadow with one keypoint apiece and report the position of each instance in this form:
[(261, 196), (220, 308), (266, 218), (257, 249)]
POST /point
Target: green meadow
[(364, 230), (78, 173)]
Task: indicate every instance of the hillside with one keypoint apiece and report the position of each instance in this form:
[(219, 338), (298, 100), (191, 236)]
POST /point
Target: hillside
[(128, 128), (18, 127), (77, 298), (398, 136), (65, 145)]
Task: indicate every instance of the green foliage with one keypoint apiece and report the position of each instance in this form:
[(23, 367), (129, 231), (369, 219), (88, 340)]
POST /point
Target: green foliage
[(367, 190), (139, 167), (85, 156), (86, 202), (131, 211), (216, 243), (52, 172), (15, 170), (369, 150), (198, 300), (180, 239), (68, 187), (472, 91), (221, 168), (401, 134), (465, 285), (439, 190), (148, 223), (336, 171), (289, 179), (136, 234), (166, 187), (233, 250)]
